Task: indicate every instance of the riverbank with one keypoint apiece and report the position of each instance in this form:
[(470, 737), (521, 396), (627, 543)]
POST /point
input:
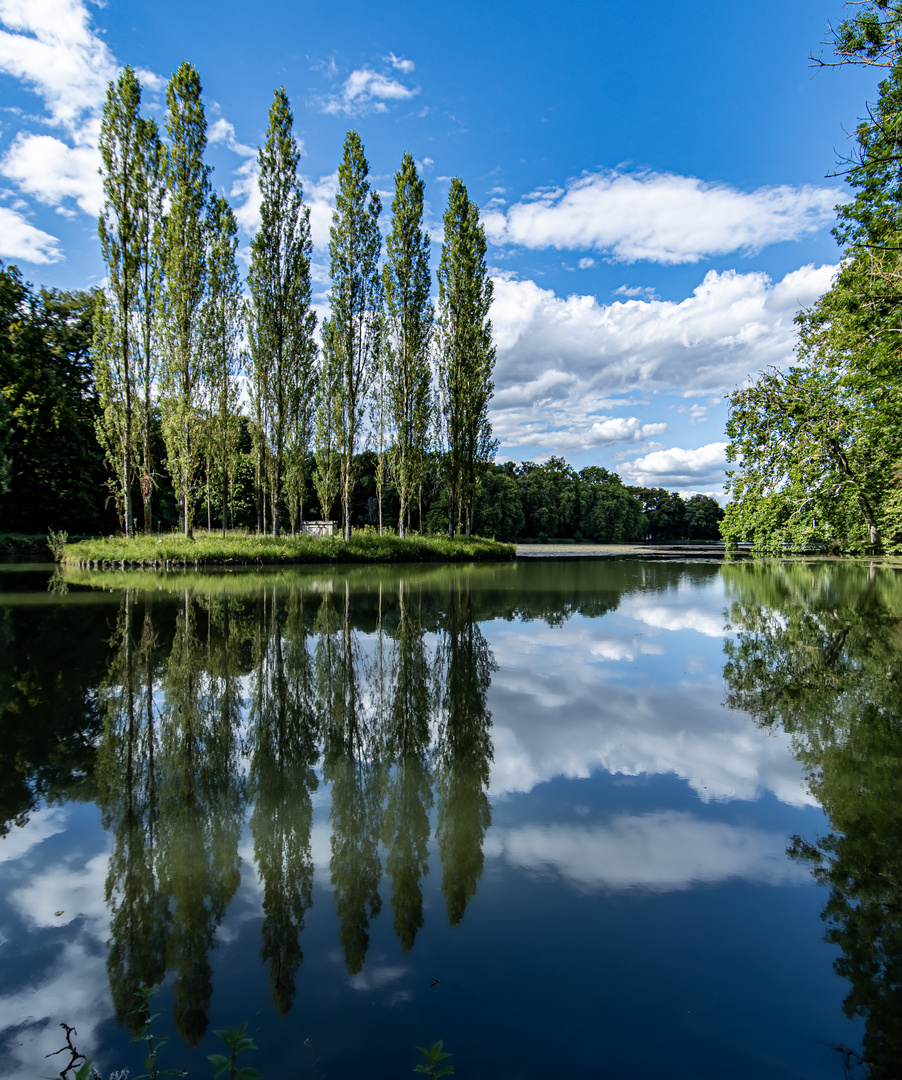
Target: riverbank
[(703, 550), (212, 549)]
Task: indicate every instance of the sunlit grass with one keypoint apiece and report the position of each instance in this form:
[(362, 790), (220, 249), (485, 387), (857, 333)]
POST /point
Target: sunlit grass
[(206, 549)]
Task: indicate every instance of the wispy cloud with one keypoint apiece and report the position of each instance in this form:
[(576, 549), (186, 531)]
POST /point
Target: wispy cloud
[(368, 91), (660, 852), (660, 217), (406, 67), (221, 131)]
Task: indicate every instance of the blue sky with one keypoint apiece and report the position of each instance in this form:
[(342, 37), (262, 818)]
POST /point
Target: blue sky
[(653, 178)]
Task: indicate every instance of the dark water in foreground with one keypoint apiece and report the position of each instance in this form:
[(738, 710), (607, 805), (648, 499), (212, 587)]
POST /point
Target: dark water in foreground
[(591, 819)]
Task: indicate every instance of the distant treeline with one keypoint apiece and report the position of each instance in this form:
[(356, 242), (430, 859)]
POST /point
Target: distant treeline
[(52, 471)]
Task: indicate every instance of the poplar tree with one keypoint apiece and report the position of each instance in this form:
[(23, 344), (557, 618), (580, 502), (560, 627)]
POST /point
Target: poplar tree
[(281, 320), (466, 355), (408, 323), (183, 293), (354, 247), (150, 191), (120, 242), (222, 331), (325, 477)]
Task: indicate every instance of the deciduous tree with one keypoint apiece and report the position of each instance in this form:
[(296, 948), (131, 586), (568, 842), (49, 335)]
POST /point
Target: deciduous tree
[(466, 354), (222, 331), (281, 320), (185, 283), (121, 245), (354, 246), (408, 317)]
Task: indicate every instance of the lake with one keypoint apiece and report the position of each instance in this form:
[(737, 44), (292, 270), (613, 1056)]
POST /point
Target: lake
[(576, 817)]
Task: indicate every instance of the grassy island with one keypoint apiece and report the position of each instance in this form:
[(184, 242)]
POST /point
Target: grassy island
[(212, 549)]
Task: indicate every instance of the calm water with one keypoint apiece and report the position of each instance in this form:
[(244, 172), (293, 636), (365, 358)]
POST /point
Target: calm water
[(573, 818)]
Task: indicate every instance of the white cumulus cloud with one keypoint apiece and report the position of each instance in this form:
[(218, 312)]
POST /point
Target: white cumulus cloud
[(562, 361), (19, 239), (52, 171), (732, 325), (51, 46), (660, 217), (678, 468)]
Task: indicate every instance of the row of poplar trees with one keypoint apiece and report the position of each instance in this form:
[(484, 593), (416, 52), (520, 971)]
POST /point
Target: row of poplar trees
[(181, 345)]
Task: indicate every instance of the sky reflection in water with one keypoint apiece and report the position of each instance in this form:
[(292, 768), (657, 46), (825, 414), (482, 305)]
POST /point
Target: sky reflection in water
[(522, 781)]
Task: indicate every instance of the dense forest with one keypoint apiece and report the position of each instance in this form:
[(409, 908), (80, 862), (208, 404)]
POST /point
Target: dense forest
[(179, 395)]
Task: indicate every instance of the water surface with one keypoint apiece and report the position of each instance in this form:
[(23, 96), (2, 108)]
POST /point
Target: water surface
[(573, 818)]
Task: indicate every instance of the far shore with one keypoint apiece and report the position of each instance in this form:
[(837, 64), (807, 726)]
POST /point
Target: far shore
[(706, 550)]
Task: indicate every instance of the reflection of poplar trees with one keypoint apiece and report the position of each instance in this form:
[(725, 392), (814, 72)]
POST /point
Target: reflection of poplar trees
[(408, 796), (170, 770), (127, 792), (283, 753), (352, 772), (464, 753), (201, 810), (819, 651)]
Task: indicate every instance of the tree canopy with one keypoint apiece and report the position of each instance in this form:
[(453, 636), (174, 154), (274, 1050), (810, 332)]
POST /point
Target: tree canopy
[(818, 448)]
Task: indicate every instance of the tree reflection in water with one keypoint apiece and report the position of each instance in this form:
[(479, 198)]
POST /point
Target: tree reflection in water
[(222, 702), (819, 651)]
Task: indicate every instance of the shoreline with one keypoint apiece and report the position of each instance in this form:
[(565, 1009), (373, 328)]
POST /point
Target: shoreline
[(174, 551)]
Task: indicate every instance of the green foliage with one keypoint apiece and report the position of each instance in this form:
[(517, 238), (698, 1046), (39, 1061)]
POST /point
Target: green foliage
[(222, 329), (498, 511), (237, 1043), (188, 184), (818, 448), (144, 1033), (281, 321), (703, 518), (432, 1066), (664, 513), (356, 297), (870, 36), (817, 651), (120, 242), (56, 542), (466, 354), (51, 467), (408, 316)]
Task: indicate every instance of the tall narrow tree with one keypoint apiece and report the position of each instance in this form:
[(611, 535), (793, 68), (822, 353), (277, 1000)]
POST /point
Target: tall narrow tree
[(466, 353), (120, 242), (222, 330), (281, 320), (150, 190), (325, 477), (183, 294), (354, 246), (408, 323)]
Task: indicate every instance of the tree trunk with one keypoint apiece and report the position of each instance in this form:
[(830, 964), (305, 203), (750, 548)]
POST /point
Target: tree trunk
[(277, 484), (225, 493)]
